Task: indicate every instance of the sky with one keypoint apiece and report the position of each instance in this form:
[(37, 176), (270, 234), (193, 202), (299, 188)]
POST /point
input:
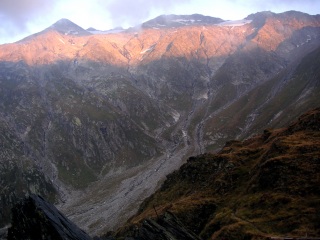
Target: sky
[(20, 18)]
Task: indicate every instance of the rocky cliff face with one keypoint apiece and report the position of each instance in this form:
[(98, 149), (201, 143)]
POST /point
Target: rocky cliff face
[(111, 115)]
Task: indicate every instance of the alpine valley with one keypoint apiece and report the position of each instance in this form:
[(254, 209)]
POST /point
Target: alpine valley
[(93, 120)]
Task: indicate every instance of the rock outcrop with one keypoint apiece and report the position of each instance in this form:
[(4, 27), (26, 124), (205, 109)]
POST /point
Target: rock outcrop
[(34, 218)]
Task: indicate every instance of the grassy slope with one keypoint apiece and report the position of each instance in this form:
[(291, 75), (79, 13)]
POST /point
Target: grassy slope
[(264, 186)]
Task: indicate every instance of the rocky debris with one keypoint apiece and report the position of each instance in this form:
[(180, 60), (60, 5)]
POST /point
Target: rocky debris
[(34, 218)]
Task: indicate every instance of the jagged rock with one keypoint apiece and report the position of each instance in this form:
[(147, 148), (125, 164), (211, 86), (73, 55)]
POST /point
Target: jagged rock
[(34, 218)]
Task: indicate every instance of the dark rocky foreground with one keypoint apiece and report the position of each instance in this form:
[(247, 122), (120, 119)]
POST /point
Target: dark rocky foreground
[(34, 218)]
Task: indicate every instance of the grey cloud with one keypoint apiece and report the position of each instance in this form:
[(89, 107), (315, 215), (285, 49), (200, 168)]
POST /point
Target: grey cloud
[(20, 12), (286, 4), (135, 11), (15, 15)]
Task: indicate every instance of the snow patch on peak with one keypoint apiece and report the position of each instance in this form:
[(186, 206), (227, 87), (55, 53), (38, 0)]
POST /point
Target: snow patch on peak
[(184, 20), (235, 23)]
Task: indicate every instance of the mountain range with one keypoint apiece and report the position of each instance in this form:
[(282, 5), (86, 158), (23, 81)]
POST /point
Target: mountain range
[(94, 122)]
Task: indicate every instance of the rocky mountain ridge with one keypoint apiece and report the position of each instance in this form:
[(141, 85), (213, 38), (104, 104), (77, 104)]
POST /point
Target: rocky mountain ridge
[(95, 122), (176, 21), (266, 31)]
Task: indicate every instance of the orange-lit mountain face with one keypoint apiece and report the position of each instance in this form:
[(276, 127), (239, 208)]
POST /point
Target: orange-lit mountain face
[(133, 47), (264, 30), (111, 114)]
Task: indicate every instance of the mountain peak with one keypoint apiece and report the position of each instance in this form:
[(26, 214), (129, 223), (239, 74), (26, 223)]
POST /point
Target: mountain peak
[(173, 21), (63, 20), (263, 14), (67, 27)]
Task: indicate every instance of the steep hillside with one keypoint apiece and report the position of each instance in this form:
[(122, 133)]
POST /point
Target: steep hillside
[(265, 186), (99, 119), (275, 102), (58, 135)]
